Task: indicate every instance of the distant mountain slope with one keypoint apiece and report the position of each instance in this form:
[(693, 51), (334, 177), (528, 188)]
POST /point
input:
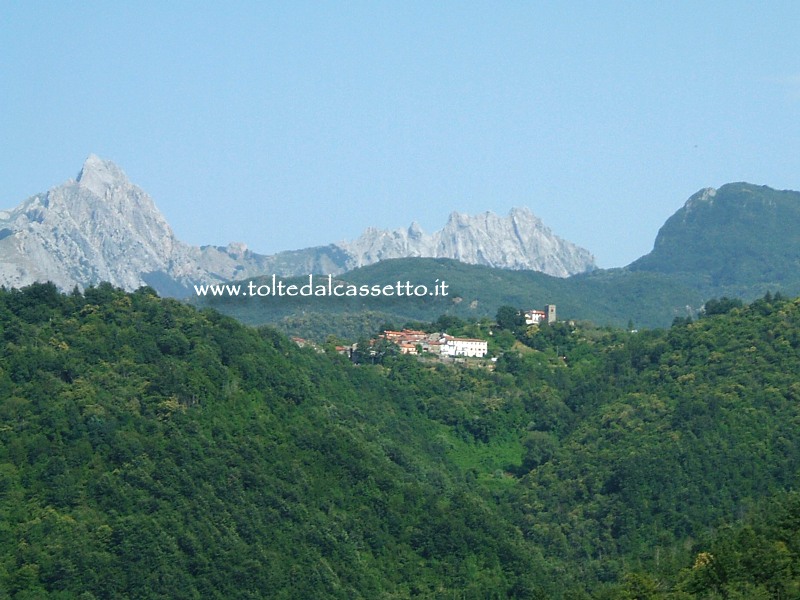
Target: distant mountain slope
[(739, 241), (737, 237), (101, 227)]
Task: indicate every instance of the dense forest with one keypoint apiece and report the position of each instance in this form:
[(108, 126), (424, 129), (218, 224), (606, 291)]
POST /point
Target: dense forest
[(152, 450)]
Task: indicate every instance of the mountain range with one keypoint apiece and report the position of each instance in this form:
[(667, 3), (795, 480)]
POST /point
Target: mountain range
[(740, 240), (101, 227)]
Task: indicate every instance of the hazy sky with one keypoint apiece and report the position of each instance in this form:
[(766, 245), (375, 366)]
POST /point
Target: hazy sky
[(291, 124)]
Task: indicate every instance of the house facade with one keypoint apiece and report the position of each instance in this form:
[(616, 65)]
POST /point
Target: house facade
[(471, 347), (537, 317)]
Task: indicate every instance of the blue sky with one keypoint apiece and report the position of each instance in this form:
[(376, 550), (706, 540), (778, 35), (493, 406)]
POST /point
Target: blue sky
[(291, 124)]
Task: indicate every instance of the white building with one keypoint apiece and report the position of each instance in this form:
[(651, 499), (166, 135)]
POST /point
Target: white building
[(534, 317), (537, 317), (453, 346)]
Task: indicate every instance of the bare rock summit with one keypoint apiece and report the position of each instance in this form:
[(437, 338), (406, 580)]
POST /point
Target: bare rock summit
[(101, 227), (519, 241)]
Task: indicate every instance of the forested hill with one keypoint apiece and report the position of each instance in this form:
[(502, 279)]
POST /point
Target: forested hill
[(149, 450), (736, 239), (650, 444)]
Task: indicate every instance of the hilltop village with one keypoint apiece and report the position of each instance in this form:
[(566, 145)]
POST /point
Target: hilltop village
[(411, 341), (440, 344)]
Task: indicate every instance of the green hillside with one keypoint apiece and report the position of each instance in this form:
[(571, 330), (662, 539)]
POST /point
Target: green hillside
[(150, 450), (604, 297)]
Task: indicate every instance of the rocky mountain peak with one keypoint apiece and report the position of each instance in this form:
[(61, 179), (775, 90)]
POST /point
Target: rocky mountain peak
[(523, 214), (98, 175), (415, 231), (99, 227)]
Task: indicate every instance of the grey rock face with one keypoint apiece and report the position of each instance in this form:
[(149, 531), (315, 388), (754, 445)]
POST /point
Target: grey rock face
[(101, 227), (518, 241)]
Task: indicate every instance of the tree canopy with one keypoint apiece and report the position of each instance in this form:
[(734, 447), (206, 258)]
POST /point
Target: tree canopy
[(148, 449)]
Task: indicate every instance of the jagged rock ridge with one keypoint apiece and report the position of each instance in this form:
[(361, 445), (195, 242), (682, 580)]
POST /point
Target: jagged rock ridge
[(101, 227), (518, 241)]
